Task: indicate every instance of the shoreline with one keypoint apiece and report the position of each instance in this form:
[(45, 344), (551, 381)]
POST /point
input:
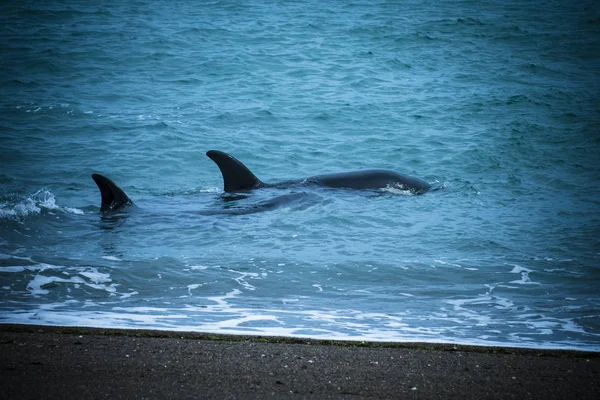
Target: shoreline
[(70, 362), (191, 335)]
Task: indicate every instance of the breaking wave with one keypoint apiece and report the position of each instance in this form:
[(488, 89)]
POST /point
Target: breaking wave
[(13, 207)]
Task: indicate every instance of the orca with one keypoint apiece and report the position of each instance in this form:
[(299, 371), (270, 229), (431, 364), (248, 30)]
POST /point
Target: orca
[(113, 197), (237, 177)]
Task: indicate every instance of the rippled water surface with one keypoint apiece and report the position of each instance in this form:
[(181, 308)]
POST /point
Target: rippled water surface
[(497, 102)]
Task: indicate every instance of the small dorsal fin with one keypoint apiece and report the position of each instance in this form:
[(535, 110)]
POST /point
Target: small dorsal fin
[(113, 196), (236, 176)]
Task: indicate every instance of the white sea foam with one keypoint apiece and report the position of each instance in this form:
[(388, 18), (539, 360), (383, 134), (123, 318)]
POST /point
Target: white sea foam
[(332, 324), (128, 295), (22, 209), (517, 269), (398, 190), (525, 280), (111, 258), (13, 268), (222, 300), (242, 279), (75, 278), (43, 199), (193, 287), (36, 286), (447, 263), (95, 276)]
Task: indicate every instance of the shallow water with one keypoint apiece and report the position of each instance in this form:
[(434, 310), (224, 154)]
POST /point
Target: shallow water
[(496, 101)]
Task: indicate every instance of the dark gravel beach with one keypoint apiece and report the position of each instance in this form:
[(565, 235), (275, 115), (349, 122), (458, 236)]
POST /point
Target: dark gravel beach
[(68, 362)]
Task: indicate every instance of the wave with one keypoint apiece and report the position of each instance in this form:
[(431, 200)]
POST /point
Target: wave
[(13, 207)]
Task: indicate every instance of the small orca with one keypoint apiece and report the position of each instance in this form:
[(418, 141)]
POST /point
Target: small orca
[(237, 177), (113, 197)]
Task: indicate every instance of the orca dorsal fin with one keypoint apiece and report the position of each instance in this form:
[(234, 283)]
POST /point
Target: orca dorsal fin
[(113, 196), (236, 176)]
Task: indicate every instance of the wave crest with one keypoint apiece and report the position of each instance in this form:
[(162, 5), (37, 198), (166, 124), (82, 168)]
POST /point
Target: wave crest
[(17, 208)]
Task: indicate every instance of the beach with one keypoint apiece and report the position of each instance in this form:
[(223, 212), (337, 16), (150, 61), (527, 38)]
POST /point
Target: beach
[(72, 362)]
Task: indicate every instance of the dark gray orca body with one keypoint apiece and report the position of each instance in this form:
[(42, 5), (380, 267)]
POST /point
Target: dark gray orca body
[(237, 177), (296, 199), (113, 197)]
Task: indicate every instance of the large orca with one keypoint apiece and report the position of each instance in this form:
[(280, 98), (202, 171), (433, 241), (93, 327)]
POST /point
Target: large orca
[(237, 177)]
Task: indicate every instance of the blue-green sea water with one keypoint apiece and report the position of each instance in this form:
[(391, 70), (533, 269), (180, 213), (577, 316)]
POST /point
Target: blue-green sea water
[(496, 101)]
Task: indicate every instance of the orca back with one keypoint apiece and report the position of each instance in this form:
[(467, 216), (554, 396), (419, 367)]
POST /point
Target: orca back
[(236, 176), (113, 197)]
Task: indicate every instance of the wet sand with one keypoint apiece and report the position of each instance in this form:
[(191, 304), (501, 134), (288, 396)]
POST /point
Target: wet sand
[(70, 362)]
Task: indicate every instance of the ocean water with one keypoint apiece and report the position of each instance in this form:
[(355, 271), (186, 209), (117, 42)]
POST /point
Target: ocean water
[(496, 101)]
